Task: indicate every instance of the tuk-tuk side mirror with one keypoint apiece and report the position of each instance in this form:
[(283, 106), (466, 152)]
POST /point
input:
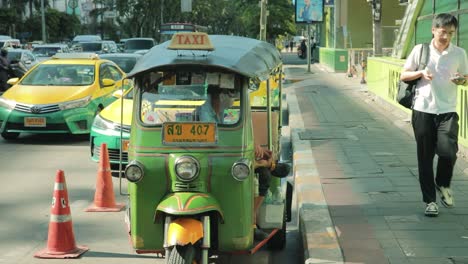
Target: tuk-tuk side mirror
[(253, 85)]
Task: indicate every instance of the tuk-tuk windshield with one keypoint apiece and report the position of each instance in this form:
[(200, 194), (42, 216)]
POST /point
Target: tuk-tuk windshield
[(190, 97)]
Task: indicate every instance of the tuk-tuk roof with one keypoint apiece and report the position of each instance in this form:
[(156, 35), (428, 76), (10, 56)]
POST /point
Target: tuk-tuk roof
[(249, 57)]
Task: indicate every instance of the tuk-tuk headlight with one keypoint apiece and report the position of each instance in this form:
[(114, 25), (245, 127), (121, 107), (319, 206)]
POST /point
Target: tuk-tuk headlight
[(134, 171), (241, 169), (187, 168)]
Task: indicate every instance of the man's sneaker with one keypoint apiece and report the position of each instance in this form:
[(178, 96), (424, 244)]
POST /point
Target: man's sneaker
[(446, 196), (432, 209)]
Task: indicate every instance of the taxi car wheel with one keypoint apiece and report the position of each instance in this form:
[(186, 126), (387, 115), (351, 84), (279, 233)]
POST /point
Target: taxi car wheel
[(10, 135)]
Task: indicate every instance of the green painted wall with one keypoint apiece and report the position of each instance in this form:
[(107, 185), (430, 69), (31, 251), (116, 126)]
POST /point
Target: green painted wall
[(335, 59), (354, 29), (359, 23)]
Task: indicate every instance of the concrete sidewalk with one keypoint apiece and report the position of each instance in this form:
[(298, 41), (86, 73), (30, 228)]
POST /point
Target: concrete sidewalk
[(356, 183)]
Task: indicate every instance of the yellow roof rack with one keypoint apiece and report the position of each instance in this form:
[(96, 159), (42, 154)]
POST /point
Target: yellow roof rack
[(76, 55), (191, 41)]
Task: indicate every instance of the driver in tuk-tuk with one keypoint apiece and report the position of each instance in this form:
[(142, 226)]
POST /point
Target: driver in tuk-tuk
[(266, 164), (219, 99)]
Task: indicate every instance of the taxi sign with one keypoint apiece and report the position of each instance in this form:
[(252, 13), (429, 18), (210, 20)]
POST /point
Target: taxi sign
[(193, 133), (76, 55), (191, 41)]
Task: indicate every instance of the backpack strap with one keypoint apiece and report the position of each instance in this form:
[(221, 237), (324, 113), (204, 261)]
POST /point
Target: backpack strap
[(424, 56)]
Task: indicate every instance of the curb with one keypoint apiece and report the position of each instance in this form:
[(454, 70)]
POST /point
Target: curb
[(319, 237)]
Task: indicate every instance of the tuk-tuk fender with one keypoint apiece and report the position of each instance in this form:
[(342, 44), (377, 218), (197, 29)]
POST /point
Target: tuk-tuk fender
[(183, 231), (184, 203)]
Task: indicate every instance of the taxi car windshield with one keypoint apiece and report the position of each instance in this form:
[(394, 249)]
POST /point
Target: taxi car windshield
[(60, 75)]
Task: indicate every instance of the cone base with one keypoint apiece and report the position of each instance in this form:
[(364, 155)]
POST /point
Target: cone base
[(118, 207), (76, 253)]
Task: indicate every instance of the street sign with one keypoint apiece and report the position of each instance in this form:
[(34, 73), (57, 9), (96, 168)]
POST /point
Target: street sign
[(73, 4), (109, 14), (186, 5)]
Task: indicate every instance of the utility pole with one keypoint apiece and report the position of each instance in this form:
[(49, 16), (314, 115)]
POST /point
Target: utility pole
[(162, 8), (263, 19), (43, 22), (377, 27)]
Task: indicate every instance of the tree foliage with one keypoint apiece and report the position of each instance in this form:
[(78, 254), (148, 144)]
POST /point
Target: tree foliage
[(142, 18)]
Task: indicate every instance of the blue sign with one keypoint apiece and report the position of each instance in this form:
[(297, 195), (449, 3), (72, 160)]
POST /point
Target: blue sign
[(309, 11)]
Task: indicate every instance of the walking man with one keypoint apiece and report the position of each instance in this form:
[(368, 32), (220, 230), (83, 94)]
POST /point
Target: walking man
[(434, 117)]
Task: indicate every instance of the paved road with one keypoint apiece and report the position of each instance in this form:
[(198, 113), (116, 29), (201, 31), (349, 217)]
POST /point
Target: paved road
[(356, 178), (28, 169)]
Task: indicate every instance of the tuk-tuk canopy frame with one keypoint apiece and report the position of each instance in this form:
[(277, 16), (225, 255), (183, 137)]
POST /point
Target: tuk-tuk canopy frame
[(252, 58)]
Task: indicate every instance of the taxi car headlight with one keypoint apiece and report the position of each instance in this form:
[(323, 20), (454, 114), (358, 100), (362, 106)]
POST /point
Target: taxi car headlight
[(187, 168), (134, 171), (102, 123), (8, 104), (75, 103), (240, 170)]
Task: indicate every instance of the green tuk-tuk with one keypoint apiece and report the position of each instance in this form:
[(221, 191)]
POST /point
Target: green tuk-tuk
[(190, 172)]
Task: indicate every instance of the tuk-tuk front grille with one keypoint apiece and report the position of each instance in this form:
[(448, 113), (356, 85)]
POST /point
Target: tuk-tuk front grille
[(187, 186)]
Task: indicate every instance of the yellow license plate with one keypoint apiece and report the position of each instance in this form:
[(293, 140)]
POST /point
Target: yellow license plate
[(193, 132), (34, 121), (125, 143)]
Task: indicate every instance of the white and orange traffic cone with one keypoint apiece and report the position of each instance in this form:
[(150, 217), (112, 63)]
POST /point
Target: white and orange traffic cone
[(61, 240), (104, 199)]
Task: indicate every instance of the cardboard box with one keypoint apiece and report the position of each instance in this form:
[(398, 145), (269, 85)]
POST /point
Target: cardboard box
[(270, 216)]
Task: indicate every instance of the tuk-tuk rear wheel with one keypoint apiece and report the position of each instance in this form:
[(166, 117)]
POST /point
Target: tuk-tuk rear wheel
[(182, 254)]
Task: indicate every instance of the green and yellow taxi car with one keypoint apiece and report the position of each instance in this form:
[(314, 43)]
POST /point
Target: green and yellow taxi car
[(60, 95), (109, 127)]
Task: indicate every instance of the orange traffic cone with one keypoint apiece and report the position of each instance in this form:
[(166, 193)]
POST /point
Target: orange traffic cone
[(104, 200), (61, 240)]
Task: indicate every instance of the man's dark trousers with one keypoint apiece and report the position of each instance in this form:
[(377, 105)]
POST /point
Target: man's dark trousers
[(435, 134)]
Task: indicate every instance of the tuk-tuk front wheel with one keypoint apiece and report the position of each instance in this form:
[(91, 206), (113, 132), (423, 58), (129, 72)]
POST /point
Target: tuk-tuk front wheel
[(183, 255)]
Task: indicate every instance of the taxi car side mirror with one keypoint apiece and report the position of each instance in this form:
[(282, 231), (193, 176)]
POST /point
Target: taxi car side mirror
[(12, 81), (117, 93), (107, 82)]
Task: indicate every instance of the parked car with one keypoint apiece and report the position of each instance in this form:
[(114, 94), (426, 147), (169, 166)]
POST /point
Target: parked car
[(60, 95), (135, 44), (46, 51), (26, 57), (126, 61), (106, 129), (121, 45), (85, 38), (98, 47), (10, 43)]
